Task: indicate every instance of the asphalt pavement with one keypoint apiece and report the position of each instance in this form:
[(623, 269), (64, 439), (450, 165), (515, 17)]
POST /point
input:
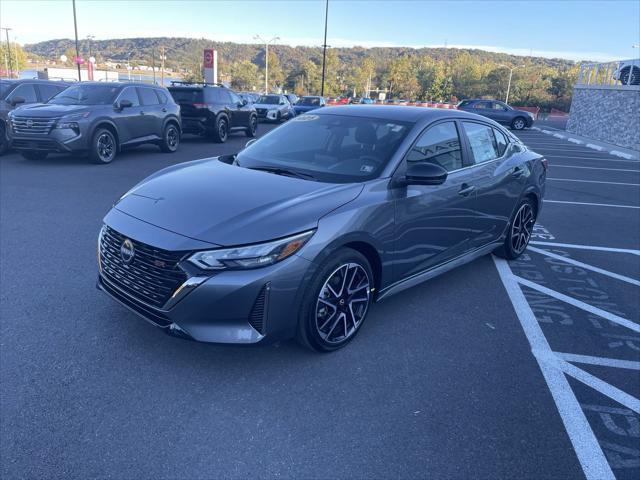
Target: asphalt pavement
[(450, 379)]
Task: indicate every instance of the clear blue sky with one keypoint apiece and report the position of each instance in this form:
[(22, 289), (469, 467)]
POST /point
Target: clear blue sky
[(598, 30)]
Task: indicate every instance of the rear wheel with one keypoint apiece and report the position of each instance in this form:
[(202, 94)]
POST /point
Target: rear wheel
[(170, 139), (518, 123), (253, 126), (33, 155), (103, 147), (635, 76), (520, 230), (336, 302), (221, 131)]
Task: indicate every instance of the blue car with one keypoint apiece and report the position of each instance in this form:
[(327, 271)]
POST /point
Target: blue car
[(306, 104)]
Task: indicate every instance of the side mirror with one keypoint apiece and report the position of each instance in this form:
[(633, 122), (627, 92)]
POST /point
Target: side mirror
[(17, 100), (244, 102), (425, 173), (281, 102), (250, 142), (124, 104)]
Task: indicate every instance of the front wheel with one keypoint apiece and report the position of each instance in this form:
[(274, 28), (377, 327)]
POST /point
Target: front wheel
[(103, 147), (31, 155), (170, 139), (635, 76), (253, 126), (520, 230), (336, 302), (221, 131), (518, 123)]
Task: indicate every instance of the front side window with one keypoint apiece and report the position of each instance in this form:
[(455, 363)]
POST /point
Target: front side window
[(330, 148), (440, 144), (130, 94), (25, 91), (86, 95), (148, 96), (498, 106), (234, 97), (482, 105), (482, 142)]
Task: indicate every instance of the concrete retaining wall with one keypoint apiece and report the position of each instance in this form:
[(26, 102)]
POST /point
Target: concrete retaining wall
[(607, 113)]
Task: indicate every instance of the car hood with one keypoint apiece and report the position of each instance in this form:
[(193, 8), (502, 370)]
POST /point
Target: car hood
[(268, 106), (47, 110), (223, 204), (305, 108)]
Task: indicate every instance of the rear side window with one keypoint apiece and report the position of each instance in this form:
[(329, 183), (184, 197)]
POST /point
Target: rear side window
[(130, 94), (187, 95), (147, 96), (162, 98), (482, 142), (482, 105), (25, 91), (47, 91), (440, 144), (501, 141)]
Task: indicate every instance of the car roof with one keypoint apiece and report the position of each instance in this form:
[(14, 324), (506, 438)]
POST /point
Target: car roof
[(119, 84), (37, 80), (396, 112)]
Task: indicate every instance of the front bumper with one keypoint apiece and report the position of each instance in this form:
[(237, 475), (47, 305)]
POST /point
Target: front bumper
[(265, 114), (234, 307), (58, 140)]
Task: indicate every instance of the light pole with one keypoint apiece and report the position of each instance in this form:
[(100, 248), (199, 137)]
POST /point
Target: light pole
[(10, 69), (324, 46), (89, 38), (266, 59), (511, 69), (75, 28)]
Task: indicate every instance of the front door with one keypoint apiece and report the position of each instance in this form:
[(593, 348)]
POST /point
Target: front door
[(434, 223), (129, 120)]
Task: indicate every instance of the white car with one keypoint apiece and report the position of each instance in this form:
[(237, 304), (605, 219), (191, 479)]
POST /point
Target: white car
[(628, 72)]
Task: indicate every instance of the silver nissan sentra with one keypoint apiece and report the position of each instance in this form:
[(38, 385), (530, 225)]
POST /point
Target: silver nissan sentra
[(301, 232)]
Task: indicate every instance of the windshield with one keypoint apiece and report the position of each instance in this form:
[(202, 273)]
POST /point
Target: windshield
[(86, 95), (331, 148), (309, 101), (269, 100)]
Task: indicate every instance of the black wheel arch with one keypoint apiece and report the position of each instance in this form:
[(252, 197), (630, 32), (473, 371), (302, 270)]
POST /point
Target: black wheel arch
[(109, 125), (172, 119)]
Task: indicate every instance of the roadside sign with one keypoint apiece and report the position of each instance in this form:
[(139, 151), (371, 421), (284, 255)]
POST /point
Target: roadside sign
[(208, 58)]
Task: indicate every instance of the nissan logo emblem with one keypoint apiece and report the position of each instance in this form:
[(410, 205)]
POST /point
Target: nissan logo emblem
[(127, 252), (29, 123)]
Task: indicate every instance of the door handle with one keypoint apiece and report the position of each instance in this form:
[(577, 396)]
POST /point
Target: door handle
[(517, 172), (164, 109), (466, 189)]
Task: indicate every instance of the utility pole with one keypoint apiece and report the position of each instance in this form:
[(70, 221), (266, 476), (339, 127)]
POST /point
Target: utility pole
[(10, 70), (75, 27), (324, 46), (162, 66), (266, 59), (153, 63)]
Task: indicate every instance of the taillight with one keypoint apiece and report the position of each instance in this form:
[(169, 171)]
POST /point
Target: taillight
[(201, 105), (545, 164)]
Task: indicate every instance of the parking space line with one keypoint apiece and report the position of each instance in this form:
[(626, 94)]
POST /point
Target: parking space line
[(591, 204), (590, 455), (598, 158), (595, 168), (586, 247), (602, 361), (601, 386), (579, 304), (593, 181), (586, 266)]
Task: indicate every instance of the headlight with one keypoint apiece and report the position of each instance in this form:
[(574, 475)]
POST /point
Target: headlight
[(67, 120), (252, 256)]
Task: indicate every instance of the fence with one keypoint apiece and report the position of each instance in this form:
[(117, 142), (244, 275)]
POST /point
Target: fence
[(622, 73)]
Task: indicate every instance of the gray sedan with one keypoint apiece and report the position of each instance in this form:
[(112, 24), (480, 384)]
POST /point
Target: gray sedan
[(300, 233), (499, 112)]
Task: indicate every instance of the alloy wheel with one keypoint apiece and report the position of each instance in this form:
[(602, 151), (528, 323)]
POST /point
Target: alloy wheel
[(254, 124), (222, 130), (522, 228), (172, 137), (518, 124), (342, 303), (106, 147)]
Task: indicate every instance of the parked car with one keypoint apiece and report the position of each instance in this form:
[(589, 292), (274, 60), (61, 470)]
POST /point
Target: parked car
[(292, 97), (97, 119), (366, 100), (499, 112), (628, 72), (308, 103), (303, 230), (16, 93), (213, 111), (274, 107)]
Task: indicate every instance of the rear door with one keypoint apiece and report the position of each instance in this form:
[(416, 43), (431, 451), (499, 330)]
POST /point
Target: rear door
[(498, 179), (151, 111), (433, 222)]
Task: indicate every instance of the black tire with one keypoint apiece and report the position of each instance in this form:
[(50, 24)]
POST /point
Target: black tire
[(519, 123), (635, 76), (104, 147), (319, 328), (221, 131), (279, 117), (34, 155), (253, 126), (520, 230), (170, 138), (4, 141)]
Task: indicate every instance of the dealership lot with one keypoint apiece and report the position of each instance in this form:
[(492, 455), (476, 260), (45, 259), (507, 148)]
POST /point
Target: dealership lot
[(492, 370)]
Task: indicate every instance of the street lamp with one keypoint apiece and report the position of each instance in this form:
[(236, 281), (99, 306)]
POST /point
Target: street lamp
[(324, 46), (511, 69), (10, 68), (75, 27), (266, 59)]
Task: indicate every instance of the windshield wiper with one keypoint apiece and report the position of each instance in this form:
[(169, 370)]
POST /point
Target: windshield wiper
[(283, 171)]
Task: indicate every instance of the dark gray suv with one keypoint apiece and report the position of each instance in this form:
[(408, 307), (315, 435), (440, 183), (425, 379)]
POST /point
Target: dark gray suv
[(97, 119), (299, 233), (499, 112), (16, 93)]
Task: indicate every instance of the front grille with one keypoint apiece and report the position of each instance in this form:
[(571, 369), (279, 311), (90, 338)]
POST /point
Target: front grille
[(149, 313), (151, 277), (35, 144), (259, 310), (261, 111), (32, 125)]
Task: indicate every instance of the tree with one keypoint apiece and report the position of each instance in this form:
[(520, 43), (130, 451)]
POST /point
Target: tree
[(16, 57), (276, 75), (245, 75), (401, 76)]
